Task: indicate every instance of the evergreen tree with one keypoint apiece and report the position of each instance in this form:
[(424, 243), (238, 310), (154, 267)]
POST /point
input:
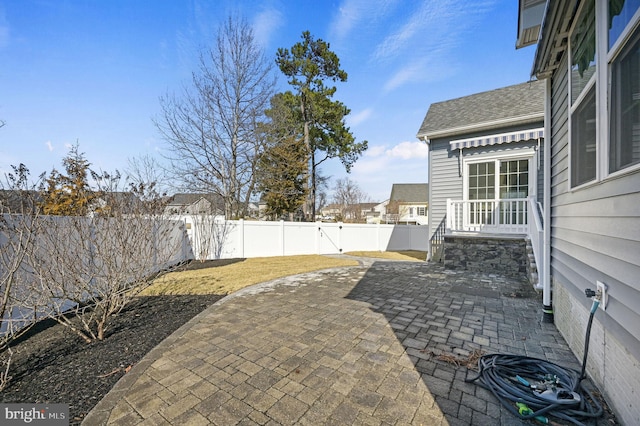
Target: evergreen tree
[(309, 65), (69, 194), (282, 167)]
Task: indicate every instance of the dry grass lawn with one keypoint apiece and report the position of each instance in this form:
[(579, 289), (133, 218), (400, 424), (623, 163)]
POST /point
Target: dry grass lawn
[(229, 278), (392, 255)]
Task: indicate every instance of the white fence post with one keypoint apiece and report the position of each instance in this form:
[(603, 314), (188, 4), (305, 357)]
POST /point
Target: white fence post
[(241, 237), (282, 238), (318, 235)]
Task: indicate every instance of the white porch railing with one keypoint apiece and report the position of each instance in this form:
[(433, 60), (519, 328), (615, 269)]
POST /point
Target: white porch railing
[(536, 234), (506, 216)]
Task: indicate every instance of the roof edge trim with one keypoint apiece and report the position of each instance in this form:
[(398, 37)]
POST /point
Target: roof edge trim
[(487, 125)]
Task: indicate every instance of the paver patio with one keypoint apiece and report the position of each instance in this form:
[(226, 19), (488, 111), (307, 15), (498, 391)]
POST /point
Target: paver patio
[(355, 345)]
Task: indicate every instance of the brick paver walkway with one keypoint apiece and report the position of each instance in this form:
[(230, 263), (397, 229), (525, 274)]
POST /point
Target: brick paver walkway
[(354, 345)]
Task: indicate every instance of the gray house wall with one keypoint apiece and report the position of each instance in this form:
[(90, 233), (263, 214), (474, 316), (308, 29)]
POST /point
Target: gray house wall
[(445, 168), (595, 235), (444, 181)]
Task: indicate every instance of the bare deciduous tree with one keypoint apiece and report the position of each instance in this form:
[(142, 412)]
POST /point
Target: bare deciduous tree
[(211, 128), (348, 195), (146, 169)]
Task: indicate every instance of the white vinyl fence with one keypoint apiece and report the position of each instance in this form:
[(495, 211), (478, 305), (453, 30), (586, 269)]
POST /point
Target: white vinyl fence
[(104, 250), (220, 239), (79, 256)]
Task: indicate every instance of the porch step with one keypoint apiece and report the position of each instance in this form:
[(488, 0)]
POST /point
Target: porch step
[(532, 268)]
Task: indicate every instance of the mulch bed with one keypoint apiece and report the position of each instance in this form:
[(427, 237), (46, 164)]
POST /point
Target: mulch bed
[(52, 365)]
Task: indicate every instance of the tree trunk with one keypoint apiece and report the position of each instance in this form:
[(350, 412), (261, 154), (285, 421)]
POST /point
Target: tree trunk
[(309, 187)]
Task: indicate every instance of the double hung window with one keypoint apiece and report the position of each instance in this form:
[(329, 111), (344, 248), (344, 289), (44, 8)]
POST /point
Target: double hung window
[(604, 90), (624, 125), (582, 90)]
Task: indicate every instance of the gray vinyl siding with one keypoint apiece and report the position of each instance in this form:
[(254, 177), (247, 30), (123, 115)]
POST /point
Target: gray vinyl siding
[(595, 232), (444, 181)]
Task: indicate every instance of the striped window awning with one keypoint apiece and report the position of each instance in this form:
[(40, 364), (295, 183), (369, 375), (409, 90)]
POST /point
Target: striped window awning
[(498, 139)]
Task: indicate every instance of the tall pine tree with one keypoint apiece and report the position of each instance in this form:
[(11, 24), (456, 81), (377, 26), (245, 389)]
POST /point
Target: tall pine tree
[(309, 65)]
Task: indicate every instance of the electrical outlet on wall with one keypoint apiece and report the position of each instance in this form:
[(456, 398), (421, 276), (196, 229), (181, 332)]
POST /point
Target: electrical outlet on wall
[(602, 289)]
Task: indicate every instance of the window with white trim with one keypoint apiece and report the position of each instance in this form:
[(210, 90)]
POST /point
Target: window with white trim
[(624, 69), (497, 189), (582, 93), (422, 211)]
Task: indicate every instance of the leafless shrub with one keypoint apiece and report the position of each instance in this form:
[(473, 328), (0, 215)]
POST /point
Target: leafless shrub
[(210, 233), (19, 214), (88, 268)]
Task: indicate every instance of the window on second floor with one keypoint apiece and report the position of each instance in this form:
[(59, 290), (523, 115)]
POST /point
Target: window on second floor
[(582, 80), (624, 111)]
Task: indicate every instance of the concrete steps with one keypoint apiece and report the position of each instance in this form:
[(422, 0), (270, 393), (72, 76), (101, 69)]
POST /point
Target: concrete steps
[(532, 268)]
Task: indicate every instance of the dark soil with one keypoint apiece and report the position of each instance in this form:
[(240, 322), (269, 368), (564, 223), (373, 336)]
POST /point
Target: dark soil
[(196, 264), (53, 365)]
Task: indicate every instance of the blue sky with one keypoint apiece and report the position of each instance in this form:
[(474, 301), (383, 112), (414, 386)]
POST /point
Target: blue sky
[(92, 71)]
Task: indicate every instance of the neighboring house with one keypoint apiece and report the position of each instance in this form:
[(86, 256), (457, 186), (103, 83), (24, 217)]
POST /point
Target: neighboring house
[(253, 210), (331, 211), (588, 54), (191, 204), (376, 213), (485, 163), (18, 201), (123, 202), (361, 212), (408, 204)]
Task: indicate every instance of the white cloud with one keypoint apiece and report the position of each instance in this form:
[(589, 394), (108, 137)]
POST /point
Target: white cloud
[(353, 13), (406, 74), (379, 158), (265, 24), (375, 151), (409, 150), (49, 145), (347, 17), (431, 35), (429, 26), (355, 119), (370, 165)]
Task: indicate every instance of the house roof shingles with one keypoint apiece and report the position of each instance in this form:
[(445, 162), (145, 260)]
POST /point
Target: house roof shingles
[(521, 101), (187, 199), (410, 192)]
